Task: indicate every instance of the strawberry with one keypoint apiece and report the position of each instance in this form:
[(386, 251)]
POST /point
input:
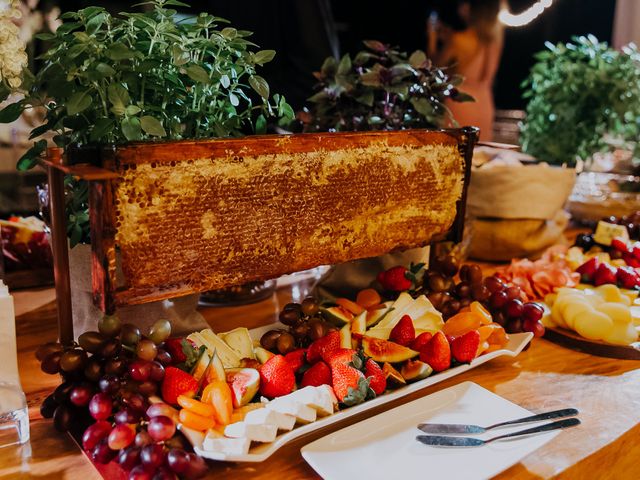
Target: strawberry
[(296, 359), (276, 377), (177, 382), (437, 353), (395, 279), (620, 245), (588, 269), (627, 277), (631, 260), (349, 384), (465, 347), (176, 348), (328, 343), (318, 374), (375, 375), (635, 250), (605, 274), (420, 341), (341, 355), (404, 332)]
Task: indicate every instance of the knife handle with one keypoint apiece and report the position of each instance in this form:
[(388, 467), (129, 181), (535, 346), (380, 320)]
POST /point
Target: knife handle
[(569, 422), (567, 412)]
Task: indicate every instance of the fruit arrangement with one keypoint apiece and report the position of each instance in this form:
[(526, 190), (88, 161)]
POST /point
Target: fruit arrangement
[(24, 244), (601, 313), (108, 397)]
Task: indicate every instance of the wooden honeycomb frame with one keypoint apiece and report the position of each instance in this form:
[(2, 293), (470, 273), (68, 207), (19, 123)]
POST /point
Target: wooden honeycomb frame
[(191, 216)]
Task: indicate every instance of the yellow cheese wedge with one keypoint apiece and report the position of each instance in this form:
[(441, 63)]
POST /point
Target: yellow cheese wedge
[(206, 337)]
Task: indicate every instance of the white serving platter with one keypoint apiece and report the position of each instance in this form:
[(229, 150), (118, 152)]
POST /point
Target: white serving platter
[(384, 446), (260, 452)]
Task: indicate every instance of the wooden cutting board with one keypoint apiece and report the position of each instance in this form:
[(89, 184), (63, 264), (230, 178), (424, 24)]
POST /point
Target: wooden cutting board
[(574, 341)]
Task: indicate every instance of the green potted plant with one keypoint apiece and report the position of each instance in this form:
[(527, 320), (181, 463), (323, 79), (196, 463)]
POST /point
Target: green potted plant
[(584, 101), (382, 88), (144, 76)]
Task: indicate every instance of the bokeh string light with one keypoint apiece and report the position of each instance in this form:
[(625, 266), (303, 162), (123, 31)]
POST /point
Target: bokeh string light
[(524, 18)]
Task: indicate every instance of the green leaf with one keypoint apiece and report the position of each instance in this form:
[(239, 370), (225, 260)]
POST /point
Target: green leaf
[(105, 69), (180, 57), (417, 59), (78, 102), (263, 56), (11, 112), (261, 125), (229, 33), (131, 128), (76, 50), (235, 101), (176, 3), (198, 74), (132, 110), (224, 81), (119, 98), (260, 85), (344, 66), (101, 128), (96, 22), (152, 126), (119, 51), (30, 158), (45, 37)]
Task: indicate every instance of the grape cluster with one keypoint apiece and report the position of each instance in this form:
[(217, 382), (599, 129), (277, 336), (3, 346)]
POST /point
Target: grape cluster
[(447, 295), (108, 377), (507, 308), (305, 324)]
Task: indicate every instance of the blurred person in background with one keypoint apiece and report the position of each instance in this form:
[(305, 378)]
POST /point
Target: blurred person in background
[(467, 36)]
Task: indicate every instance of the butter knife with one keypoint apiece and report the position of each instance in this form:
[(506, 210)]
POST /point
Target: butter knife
[(441, 441), (448, 428)]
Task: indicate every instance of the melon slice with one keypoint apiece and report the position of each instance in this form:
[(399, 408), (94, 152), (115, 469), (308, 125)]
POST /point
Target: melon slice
[(359, 324), (374, 316)]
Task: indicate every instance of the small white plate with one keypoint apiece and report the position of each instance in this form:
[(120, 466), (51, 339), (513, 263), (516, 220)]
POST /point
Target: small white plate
[(384, 446), (261, 451)]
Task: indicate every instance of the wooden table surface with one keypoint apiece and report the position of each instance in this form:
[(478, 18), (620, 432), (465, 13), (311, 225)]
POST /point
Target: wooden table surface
[(547, 376)]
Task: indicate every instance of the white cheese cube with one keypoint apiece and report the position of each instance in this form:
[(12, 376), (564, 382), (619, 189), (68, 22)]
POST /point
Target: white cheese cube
[(264, 433), (227, 446), (289, 406), (316, 398), (263, 415)]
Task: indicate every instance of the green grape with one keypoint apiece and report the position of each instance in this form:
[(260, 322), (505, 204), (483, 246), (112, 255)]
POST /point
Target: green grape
[(91, 341), (130, 334), (160, 331), (146, 350), (109, 325)]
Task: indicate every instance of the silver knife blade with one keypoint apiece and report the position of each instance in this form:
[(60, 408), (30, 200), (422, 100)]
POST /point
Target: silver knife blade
[(448, 428), (440, 441)]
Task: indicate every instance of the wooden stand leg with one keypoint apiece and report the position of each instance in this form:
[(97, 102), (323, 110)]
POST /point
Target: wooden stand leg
[(60, 255)]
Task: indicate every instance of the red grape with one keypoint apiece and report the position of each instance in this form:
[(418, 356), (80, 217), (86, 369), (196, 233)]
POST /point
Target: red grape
[(135, 401), (499, 318), (102, 453), (474, 276), (514, 326), (152, 456), (81, 395), (161, 428), (51, 363), (100, 406), (532, 311), (148, 388), (513, 308), (140, 370), (178, 460), (93, 369), (498, 299), (111, 348), (533, 326), (162, 409), (164, 357), (157, 372), (140, 473), (513, 292), (479, 292), (128, 458), (127, 415), (121, 437), (115, 366), (143, 438), (163, 473), (463, 290), (109, 383), (494, 284), (197, 466), (94, 433)]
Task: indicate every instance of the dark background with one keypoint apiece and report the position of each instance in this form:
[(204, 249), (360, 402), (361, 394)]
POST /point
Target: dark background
[(294, 29)]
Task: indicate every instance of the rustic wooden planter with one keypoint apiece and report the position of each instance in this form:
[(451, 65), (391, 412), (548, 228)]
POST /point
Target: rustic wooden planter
[(192, 216)]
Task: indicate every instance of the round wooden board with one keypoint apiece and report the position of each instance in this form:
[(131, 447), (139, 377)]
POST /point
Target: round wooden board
[(574, 341)]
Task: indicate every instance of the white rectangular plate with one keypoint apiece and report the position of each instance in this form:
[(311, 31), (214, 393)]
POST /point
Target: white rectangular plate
[(384, 446), (260, 452)]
